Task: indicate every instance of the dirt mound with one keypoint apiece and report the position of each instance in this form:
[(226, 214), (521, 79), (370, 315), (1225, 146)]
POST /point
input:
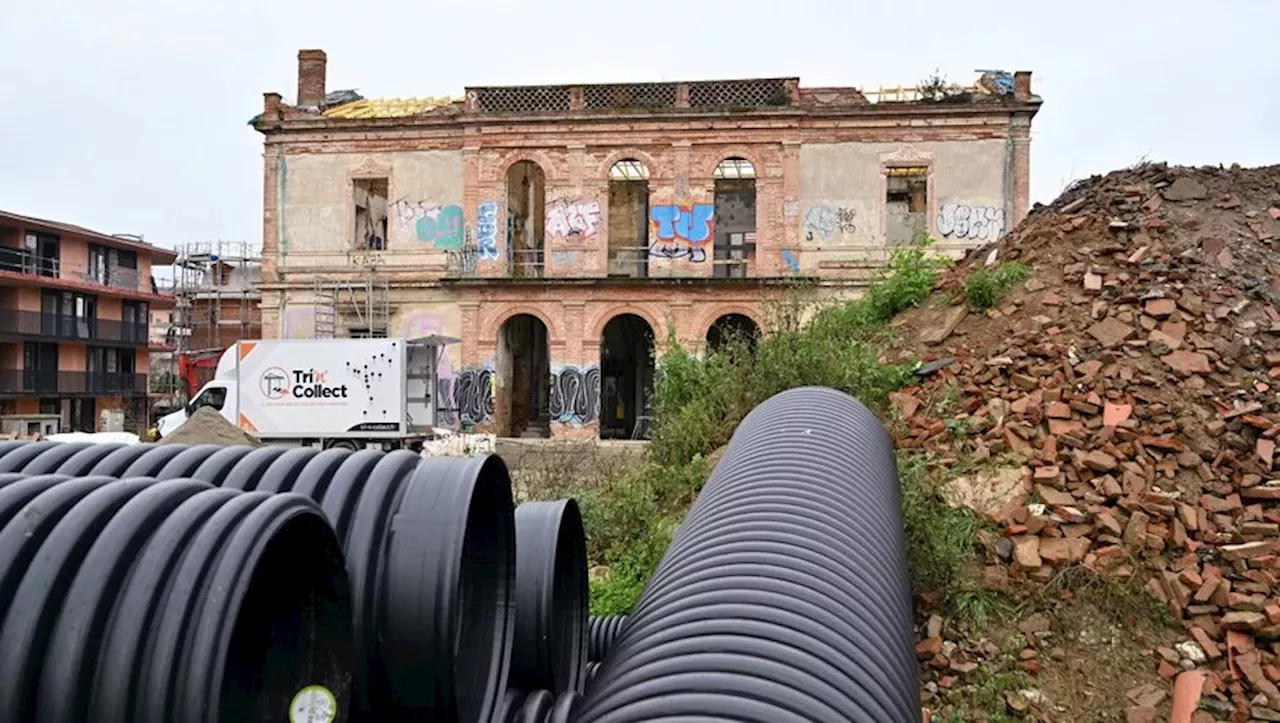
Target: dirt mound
[(207, 426), (1131, 378)]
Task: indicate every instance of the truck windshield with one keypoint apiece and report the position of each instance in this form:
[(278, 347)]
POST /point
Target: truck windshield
[(214, 397)]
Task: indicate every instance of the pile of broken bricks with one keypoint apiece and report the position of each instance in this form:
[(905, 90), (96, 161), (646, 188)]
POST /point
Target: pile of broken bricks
[(1125, 394)]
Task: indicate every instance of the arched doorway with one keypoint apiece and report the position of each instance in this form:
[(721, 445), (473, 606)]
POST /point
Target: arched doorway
[(626, 377), (735, 203), (732, 330), (629, 219), (524, 370), (526, 218)]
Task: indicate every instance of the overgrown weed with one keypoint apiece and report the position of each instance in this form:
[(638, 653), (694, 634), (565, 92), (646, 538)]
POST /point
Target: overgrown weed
[(986, 286), (699, 400)]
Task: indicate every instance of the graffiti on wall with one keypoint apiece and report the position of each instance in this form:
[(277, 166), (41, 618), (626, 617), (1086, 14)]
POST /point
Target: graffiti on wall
[(463, 261), (577, 220), (962, 221), (791, 260), (575, 394), (824, 221), (473, 395), (432, 223), (487, 231), (681, 230)]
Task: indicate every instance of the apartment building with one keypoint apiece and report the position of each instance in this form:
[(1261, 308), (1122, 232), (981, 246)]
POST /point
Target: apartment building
[(74, 311), (565, 232)]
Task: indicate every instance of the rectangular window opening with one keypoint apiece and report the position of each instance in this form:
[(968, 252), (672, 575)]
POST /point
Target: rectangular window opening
[(906, 204), (369, 197)]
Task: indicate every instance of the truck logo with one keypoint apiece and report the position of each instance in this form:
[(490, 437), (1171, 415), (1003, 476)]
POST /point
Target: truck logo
[(274, 383), (277, 384)]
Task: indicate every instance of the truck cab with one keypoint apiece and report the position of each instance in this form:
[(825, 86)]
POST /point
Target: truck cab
[(220, 393)]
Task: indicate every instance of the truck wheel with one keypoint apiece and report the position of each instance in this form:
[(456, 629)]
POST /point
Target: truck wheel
[(350, 444)]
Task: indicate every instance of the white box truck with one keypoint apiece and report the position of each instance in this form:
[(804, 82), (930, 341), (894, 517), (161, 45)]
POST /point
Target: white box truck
[(352, 393)]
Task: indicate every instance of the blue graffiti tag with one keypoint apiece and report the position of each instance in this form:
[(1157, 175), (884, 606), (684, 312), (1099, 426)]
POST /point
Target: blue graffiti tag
[(689, 223), (487, 230), (793, 263)]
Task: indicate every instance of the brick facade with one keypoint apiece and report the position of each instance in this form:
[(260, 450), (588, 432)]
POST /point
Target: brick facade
[(501, 205)]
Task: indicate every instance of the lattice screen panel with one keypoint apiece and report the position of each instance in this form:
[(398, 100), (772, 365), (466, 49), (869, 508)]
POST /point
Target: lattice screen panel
[(531, 99), (632, 95), (738, 93)]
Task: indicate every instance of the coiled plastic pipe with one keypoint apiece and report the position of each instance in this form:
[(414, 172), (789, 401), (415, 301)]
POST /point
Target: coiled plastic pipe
[(539, 706), (551, 597), (602, 630), (784, 595), (138, 599), (428, 545)]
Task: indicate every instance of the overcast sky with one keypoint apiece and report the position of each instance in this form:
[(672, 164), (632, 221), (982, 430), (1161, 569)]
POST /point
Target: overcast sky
[(131, 115)]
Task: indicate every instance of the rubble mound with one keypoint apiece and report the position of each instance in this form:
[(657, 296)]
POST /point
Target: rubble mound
[(207, 426), (1131, 378)]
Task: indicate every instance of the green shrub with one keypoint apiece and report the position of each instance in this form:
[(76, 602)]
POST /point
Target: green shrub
[(985, 287), (698, 402)]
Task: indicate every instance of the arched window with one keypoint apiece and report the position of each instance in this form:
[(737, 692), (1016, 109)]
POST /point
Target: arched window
[(526, 218), (629, 219), (735, 218)]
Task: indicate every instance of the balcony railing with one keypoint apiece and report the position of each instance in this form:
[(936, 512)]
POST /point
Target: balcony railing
[(527, 263), (24, 262), (72, 328), (26, 381)]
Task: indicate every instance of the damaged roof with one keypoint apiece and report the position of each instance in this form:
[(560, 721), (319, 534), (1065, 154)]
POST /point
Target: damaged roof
[(387, 107)]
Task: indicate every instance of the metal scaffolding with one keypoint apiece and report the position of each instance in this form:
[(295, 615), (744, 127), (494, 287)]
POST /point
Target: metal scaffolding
[(217, 295), (360, 307)]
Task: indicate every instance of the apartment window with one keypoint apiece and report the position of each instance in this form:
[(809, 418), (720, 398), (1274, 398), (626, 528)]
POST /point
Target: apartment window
[(68, 314), (40, 366), (45, 251), (98, 264), (906, 204), (369, 196), (82, 416), (133, 316)]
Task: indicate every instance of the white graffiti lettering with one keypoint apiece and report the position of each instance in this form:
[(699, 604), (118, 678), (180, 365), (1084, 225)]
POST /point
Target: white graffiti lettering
[(573, 219), (964, 221), (487, 230), (823, 221)]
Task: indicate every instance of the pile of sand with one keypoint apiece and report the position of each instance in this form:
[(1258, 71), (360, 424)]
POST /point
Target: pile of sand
[(207, 426)]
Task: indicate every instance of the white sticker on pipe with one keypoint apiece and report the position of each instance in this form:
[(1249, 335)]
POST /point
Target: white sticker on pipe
[(313, 704)]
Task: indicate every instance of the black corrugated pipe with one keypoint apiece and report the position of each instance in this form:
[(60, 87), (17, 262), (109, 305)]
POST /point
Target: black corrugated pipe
[(447, 597), (784, 595), (429, 545), (539, 706), (137, 600), (602, 630), (550, 598)]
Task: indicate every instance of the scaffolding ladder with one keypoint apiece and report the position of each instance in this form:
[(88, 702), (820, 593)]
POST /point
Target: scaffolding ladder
[(366, 302)]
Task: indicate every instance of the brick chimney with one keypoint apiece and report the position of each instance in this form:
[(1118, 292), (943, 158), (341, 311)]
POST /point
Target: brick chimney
[(271, 106), (311, 66), (1022, 85)]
